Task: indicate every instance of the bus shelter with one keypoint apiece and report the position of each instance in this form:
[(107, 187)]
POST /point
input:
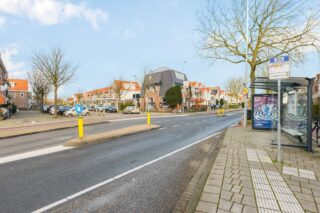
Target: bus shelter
[(295, 109)]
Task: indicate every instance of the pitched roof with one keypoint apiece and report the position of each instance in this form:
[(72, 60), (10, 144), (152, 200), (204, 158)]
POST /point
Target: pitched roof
[(18, 85), (124, 84)]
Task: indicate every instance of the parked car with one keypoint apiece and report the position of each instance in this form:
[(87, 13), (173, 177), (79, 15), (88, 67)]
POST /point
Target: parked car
[(90, 108), (72, 112), (4, 113), (131, 110), (61, 110), (110, 109), (47, 108), (100, 108)]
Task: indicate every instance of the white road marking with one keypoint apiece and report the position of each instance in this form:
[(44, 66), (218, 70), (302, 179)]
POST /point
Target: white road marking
[(35, 153), (177, 125), (142, 118), (162, 128), (46, 208)]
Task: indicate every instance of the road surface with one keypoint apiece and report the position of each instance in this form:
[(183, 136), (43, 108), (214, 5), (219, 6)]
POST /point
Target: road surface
[(33, 183)]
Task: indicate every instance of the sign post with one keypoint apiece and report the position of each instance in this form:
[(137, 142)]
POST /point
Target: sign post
[(79, 109), (279, 68)]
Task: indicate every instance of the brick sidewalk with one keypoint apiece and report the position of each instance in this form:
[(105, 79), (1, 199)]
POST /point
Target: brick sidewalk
[(244, 177)]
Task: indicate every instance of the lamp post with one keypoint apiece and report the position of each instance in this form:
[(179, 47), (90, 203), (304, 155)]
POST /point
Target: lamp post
[(246, 69)]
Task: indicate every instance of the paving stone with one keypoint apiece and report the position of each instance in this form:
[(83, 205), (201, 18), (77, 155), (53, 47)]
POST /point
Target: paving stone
[(226, 195), (236, 198), (308, 206), (236, 189), (206, 207), (227, 187), (236, 208), (305, 197), (214, 182), (211, 189), (225, 205), (249, 209), (247, 191), (306, 191), (209, 197), (221, 211), (249, 201)]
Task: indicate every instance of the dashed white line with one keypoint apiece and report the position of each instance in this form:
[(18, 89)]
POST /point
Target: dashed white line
[(35, 153), (177, 125), (46, 208), (162, 128)]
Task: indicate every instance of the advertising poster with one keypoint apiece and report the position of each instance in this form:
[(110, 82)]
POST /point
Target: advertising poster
[(265, 111)]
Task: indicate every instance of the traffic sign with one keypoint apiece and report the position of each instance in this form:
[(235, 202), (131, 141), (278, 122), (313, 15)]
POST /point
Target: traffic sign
[(279, 68), (79, 109), (245, 90)]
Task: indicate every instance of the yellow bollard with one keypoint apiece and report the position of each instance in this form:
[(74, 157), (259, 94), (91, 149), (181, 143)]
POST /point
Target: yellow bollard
[(148, 118), (80, 127), (222, 111), (219, 112)]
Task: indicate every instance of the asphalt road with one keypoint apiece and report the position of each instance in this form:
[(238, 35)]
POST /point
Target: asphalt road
[(30, 184)]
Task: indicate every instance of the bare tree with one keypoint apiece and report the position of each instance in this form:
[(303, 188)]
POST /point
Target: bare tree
[(53, 67), (40, 86), (234, 88), (276, 27), (142, 80), (118, 87)]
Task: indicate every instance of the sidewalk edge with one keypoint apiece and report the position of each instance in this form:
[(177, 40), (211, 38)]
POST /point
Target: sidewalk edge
[(198, 181)]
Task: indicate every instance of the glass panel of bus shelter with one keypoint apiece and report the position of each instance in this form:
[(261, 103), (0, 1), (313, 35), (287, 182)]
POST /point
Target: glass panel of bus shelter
[(294, 112)]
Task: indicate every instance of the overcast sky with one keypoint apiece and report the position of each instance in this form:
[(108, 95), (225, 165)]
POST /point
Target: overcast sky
[(111, 39)]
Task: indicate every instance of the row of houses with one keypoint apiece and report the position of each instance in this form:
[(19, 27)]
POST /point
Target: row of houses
[(150, 95)]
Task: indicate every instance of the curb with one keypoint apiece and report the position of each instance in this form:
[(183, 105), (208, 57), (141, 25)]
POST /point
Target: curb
[(49, 130), (106, 136), (189, 203)]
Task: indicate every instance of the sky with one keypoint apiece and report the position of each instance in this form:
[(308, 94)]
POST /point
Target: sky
[(109, 39)]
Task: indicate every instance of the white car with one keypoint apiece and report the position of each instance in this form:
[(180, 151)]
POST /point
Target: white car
[(131, 110), (72, 112)]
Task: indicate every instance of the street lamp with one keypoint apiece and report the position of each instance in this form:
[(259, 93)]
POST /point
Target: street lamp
[(246, 68)]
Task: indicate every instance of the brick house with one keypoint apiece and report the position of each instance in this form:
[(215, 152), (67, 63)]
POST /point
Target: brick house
[(155, 86), (101, 96), (4, 84), (19, 93), (129, 91)]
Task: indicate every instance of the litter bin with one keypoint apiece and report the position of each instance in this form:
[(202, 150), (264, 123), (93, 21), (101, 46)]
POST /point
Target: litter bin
[(249, 114)]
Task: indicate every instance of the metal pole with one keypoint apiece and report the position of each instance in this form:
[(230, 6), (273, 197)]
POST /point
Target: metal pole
[(279, 158), (309, 116), (246, 71)]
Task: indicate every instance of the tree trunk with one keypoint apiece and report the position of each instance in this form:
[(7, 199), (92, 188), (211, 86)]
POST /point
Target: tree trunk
[(252, 77), (119, 102), (55, 101), (42, 100)]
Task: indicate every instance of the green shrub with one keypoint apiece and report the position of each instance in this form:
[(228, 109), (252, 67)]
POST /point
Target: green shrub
[(14, 108), (124, 105), (316, 111)]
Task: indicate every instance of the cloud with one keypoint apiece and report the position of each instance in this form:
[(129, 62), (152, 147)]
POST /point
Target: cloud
[(15, 69), (127, 34), (50, 12), (2, 21)]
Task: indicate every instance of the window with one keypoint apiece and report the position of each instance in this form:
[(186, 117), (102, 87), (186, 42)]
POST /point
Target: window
[(22, 95)]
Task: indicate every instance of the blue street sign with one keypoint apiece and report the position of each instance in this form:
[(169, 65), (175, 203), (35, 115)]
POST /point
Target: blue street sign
[(279, 59), (79, 109)]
